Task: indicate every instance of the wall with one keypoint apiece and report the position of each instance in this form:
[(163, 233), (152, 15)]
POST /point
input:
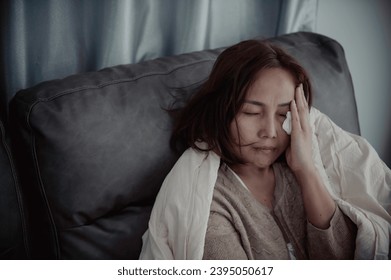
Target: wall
[(363, 29)]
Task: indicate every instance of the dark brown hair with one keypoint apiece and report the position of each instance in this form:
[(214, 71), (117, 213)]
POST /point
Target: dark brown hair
[(209, 113)]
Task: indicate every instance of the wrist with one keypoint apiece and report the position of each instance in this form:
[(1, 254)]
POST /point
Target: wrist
[(306, 173)]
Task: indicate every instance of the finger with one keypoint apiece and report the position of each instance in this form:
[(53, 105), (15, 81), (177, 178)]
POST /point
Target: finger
[(296, 126), (300, 99), (304, 98), (307, 123), (302, 108)]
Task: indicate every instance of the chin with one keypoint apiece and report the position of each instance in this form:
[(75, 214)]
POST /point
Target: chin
[(268, 161), (264, 164)]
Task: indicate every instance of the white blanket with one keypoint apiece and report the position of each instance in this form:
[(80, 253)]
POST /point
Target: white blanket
[(353, 173)]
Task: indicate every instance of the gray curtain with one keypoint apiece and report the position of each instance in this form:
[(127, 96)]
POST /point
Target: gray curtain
[(49, 39)]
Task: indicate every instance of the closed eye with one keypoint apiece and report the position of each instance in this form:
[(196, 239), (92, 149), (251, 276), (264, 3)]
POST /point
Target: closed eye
[(250, 113)]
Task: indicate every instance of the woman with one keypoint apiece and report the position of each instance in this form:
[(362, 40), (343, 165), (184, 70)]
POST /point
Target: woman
[(269, 201)]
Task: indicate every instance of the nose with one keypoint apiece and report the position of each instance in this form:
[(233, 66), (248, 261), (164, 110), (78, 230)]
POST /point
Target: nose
[(267, 127)]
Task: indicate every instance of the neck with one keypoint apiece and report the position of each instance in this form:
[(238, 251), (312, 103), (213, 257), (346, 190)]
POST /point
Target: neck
[(250, 171)]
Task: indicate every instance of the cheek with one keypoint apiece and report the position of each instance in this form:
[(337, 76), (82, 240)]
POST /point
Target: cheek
[(243, 129), (284, 140), (233, 132)]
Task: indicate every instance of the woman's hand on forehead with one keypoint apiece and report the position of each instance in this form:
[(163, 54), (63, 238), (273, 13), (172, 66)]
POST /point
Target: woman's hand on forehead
[(299, 153)]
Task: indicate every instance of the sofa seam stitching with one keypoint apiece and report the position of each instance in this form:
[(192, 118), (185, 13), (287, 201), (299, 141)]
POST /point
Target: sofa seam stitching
[(53, 229), (120, 81), (18, 193)]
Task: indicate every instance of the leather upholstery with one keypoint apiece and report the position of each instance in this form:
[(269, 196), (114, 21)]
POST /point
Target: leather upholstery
[(13, 244), (92, 149)]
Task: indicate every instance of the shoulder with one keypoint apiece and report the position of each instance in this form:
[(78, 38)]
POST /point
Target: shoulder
[(225, 190), (228, 187)]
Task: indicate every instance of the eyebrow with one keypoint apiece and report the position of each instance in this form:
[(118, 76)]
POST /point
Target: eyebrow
[(263, 104)]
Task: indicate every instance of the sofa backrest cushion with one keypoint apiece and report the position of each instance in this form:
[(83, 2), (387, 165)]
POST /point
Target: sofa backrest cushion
[(94, 147)]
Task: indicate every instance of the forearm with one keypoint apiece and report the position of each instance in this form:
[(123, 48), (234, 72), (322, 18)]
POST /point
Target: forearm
[(336, 242), (318, 204)]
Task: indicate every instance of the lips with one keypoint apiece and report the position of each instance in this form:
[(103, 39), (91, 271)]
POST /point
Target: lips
[(265, 149)]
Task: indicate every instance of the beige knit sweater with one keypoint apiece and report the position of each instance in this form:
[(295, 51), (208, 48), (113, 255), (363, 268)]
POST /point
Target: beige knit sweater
[(240, 227)]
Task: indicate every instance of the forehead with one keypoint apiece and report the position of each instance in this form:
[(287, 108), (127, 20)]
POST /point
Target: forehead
[(272, 84)]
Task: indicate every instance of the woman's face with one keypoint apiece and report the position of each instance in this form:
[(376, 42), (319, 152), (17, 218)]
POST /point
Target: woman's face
[(259, 121)]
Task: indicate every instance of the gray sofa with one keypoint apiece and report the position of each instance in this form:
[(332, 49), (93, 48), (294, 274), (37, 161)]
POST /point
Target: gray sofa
[(82, 158)]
